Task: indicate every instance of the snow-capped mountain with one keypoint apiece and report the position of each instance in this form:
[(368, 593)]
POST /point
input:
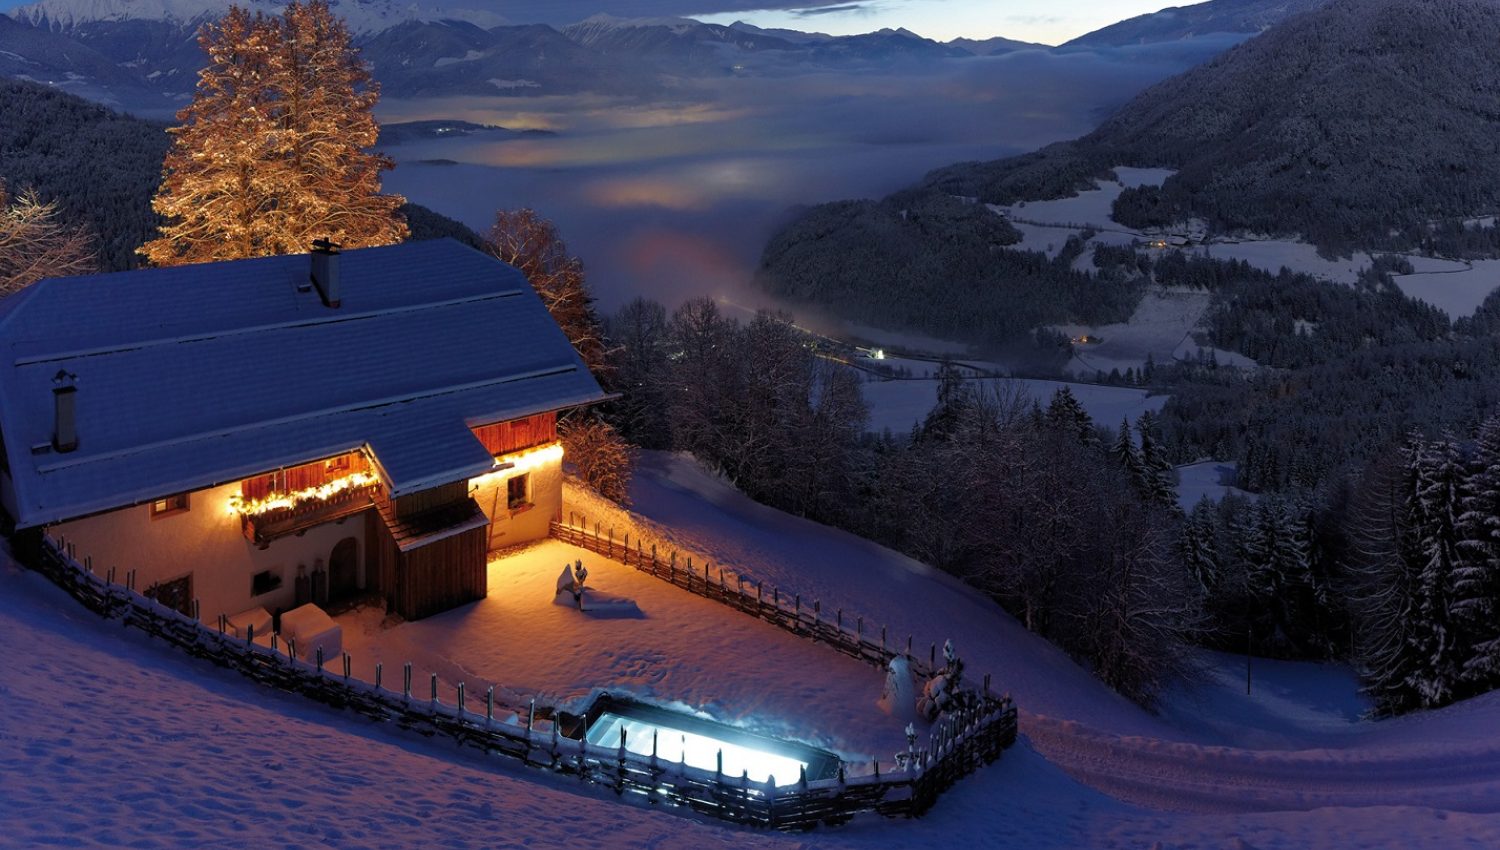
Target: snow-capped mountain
[(363, 16), (130, 51)]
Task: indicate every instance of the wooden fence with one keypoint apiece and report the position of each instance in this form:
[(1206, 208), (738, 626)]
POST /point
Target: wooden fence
[(958, 744), (844, 631)]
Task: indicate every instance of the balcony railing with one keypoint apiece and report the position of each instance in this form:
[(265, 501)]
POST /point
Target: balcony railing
[(263, 527)]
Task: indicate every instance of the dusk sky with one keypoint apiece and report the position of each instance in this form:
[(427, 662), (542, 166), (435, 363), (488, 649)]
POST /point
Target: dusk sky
[(1045, 21)]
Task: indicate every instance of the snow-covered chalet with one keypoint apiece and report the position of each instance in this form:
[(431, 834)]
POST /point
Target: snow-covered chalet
[(259, 433)]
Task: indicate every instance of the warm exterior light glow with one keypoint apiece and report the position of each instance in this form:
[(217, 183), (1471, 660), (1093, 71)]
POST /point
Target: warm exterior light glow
[(520, 462), (676, 745), (278, 501)]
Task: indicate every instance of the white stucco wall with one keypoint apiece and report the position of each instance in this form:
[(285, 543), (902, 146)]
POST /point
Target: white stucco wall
[(509, 528), (207, 541)]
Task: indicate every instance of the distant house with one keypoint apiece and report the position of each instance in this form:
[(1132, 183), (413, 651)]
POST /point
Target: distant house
[(255, 433)]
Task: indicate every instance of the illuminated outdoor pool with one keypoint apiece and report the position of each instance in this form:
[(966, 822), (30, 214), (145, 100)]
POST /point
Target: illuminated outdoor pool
[(699, 742)]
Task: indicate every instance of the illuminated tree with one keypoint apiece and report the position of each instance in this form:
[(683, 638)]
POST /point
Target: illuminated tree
[(532, 244), (34, 244), (603, 459), (273, 151)]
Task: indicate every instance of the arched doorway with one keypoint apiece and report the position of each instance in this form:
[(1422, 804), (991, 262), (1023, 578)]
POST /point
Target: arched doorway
[(343, 570)]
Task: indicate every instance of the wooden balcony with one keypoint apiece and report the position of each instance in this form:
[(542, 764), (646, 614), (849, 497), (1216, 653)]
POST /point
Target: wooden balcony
[(264, 527)]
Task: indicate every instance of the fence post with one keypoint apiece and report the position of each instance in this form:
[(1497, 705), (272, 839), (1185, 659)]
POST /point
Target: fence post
[(489, 705), (434, 688), (197, 607), (348, 662), (378, 666), (839, 619), (319, 655), (460, 701), (250, 635), (406, 681), (882, 640), (932, 658)]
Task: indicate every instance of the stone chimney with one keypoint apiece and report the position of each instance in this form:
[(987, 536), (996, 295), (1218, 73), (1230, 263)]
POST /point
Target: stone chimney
[(64, 412), (325, 271)]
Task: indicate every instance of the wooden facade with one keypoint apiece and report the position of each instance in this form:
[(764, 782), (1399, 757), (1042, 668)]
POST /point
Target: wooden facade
[(504, 438), (420, 568), (421, 552), (305, 476)]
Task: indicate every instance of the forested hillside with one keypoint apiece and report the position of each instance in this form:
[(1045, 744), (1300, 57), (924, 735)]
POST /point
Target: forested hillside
[(102, 168), (929, 262), (1352, 125)]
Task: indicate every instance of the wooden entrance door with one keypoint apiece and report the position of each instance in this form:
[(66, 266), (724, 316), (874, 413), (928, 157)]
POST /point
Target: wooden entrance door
[(343, 570)]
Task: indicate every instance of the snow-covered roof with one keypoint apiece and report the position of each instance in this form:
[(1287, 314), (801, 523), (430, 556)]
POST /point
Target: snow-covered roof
[(198, 375)]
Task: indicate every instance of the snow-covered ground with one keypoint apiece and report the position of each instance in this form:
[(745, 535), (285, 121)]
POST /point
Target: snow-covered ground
[(1456, 289), (655, 641), (896, 406), (1093, 208), (1161, 327), (1210, 479), (1273, 255), (108, 739)]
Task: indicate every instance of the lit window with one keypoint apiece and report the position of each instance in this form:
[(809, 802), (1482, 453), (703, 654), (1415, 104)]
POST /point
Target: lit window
[(170, 505), (338, 464), (515, 490)]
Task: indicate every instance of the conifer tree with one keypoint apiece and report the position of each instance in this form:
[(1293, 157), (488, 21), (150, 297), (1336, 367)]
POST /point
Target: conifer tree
[(1436, 510), (273, 152), (1476, 581), (1067, 415), (1125, 452)]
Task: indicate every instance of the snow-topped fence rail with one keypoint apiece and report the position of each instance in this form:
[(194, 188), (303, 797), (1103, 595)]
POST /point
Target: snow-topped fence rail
[(959, 743), (844, 631)]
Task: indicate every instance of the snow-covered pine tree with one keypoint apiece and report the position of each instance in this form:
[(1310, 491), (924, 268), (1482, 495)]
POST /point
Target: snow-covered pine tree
[(1476, 581), (1384, 565), (1125, 452), (1067, 416), (1155, 473), (273, 152), (1198, 545), (1436, 509)]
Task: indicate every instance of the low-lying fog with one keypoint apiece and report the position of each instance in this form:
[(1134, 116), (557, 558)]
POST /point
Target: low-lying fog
[(676, 199)]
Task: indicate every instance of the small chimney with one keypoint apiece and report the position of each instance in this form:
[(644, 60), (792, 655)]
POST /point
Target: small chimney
[(64, 412), (325, 270)]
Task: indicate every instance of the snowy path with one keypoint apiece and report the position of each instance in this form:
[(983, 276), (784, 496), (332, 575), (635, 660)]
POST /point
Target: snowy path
[(1186, 777)]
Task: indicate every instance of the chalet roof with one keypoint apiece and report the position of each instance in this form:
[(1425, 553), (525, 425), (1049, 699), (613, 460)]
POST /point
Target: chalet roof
[(194, 376)]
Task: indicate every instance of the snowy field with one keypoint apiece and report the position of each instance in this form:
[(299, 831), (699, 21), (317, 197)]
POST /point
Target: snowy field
[(896, 406), (639, 636), (99, 722), (1457, 290), (1454, 287), (1092, 208), (1272, 255), (1161, 327), (1210, 479)]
